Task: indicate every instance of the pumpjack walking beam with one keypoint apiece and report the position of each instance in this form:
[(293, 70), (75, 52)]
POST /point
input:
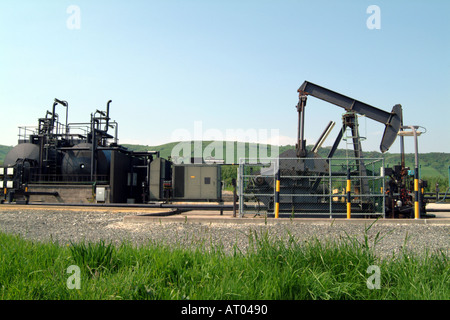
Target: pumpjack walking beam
[(392, 120)]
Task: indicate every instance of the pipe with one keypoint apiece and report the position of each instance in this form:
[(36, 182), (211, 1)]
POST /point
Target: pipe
[(65, 104), (107, 115), (144, 153), (438, 210), (41, 193), (214, 207), (323, 136), (116, 131), (301, 144), (67, 119), (417, 200), (53, 117), (402, 149), (94, 142)]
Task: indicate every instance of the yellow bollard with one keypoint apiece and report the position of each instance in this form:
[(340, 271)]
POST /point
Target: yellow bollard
[(416, 196), (277, 197)]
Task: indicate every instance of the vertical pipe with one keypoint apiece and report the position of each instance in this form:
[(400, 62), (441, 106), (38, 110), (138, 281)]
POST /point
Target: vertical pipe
[(402, 147), (241, 184), (301, 144), (50, 131), (416, 178), (349, 203), (277, 195), (67, 119), (299, 123), (107, 115), (116, 134), (302, 130), (93, 141), (330, 187), (383, 191)]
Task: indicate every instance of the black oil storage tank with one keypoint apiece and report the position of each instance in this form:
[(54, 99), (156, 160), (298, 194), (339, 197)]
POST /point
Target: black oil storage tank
[(76, 163)]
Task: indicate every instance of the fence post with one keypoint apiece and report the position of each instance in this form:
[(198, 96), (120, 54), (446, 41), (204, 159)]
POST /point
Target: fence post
[(330, 187), (349, 203), (241, 188), (277, 195), (383, 190), (233, 182)]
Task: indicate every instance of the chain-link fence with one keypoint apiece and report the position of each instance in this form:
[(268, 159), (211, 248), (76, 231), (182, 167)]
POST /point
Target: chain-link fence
[(311, 187)]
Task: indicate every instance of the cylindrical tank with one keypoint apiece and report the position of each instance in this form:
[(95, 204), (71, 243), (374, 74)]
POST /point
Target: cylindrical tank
[(78, 161), (22, 151)]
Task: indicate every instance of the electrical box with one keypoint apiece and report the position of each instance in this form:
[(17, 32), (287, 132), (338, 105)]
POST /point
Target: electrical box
[(100, 194), (197, 182)]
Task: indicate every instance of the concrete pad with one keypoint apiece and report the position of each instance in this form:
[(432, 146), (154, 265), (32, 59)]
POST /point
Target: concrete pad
[(438, 206)]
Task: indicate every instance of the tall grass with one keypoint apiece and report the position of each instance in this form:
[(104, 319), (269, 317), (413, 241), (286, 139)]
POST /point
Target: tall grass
[(93, 256), (271, 268)]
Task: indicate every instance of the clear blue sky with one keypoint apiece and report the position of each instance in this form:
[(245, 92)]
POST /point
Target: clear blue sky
[(229, 64)]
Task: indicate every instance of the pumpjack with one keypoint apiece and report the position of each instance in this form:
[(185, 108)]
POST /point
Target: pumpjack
[(303, 163)]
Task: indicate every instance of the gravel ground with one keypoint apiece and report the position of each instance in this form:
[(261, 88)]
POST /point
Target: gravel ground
[(64, 226)]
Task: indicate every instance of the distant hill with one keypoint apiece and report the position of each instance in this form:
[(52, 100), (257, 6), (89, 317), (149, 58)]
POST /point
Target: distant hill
[(248, 149), (3, 152), (433, 165)]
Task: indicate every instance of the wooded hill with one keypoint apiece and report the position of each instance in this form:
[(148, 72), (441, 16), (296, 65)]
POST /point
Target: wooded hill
[(432, 164)]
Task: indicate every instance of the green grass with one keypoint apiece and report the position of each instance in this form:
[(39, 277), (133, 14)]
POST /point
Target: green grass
[(271, 268)]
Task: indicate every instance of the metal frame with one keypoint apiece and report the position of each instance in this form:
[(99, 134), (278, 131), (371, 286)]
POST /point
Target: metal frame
[(330, 180)]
